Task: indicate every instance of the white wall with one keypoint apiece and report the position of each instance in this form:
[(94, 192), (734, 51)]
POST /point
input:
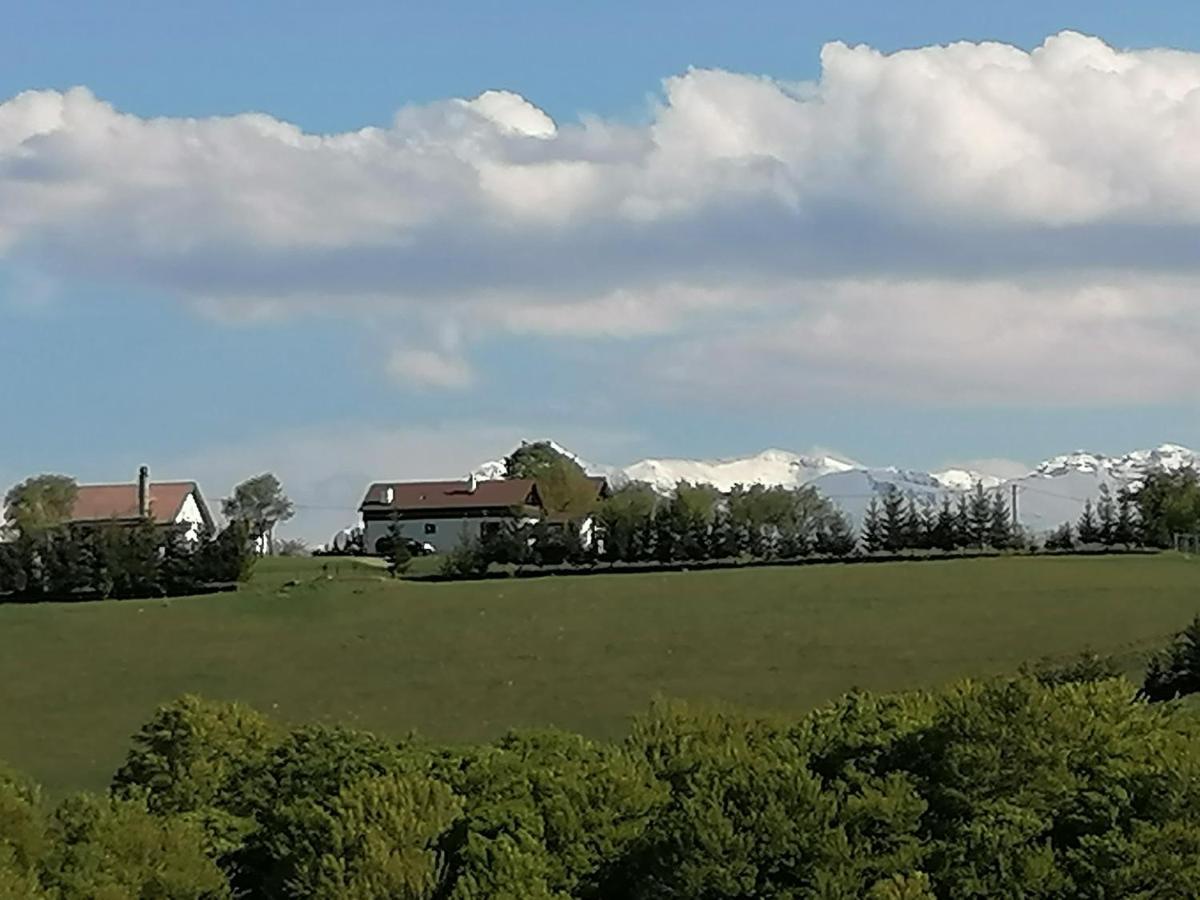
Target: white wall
[(189, 514)]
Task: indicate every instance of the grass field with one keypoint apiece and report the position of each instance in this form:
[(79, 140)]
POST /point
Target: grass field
[(464, 661)]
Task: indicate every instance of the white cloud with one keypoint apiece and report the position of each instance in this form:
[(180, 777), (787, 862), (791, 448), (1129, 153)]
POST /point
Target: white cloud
[(983, 196), (951, 343), (417, 367)]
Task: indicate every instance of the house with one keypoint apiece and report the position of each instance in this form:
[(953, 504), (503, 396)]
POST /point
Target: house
[(162, 502), (442, 513)]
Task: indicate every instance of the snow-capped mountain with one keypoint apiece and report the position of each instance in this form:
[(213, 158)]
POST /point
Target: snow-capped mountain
[(965, 479), (1128, 468), (771, 467)]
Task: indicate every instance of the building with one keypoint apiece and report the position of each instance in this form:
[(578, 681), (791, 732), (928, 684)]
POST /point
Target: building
[(162, 502), (442, 513)]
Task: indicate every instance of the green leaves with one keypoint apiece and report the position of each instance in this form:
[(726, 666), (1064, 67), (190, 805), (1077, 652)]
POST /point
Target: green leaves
[(1060, 788), (41, 502)]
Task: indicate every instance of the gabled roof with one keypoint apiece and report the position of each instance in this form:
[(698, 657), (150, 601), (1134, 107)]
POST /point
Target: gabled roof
[(417, 495), (106, 502)]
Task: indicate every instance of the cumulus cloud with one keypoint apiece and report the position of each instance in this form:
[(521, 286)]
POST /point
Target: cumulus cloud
[(862, 230)]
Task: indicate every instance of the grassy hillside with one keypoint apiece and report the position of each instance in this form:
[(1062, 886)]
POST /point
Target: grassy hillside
[(465, 661)]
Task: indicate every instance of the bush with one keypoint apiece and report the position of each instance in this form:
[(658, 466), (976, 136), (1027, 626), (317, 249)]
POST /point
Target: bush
[(466, 560), (1086, 667), (108, 848), (546, 814), (1175, 671), (1056, 786), (193, 759)]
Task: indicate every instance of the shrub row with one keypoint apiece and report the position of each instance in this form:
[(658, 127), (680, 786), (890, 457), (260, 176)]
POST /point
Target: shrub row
[(87, 562), (1012, 788)]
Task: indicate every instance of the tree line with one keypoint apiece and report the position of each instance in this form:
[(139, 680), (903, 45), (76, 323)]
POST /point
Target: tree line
[(1048, 785), (46, 556), (122, 561), (697, 523)]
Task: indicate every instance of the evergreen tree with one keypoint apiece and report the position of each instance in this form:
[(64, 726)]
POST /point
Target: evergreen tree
[(914, 526), (962, 523), (1106, 517), (929, 524), (895, 521), (1126, 532), (835, 537), (1061, 538), (874, 536), (979, 518), (1000, 531), (1087, 527), (943, 536)]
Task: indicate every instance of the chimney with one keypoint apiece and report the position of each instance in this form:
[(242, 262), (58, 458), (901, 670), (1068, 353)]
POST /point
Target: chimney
[(472, 483), (144, 492)]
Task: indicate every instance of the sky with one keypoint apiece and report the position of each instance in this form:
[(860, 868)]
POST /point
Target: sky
[(392, 240)]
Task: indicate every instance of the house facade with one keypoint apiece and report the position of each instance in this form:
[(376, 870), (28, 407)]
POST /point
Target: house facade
[(161, 502), (442, 513)]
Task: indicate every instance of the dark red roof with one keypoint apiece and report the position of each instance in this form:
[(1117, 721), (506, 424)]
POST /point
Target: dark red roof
[(452, 494), (103, 502)]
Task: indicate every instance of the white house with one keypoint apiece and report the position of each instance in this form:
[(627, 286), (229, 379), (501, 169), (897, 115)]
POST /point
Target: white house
[(441, 513)]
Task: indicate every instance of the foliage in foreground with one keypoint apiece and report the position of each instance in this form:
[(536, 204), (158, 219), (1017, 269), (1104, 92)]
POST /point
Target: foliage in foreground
[(1000, 789)]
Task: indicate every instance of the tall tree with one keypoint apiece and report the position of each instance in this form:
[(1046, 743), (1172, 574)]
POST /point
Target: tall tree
[(1087, 528), (979, 517), (1126, 532), (40, 502), (944, 529), (624, 518), (962, 522), (835, 537), (895, 521), (1000, 531), (1106, 516), (1061, 538), (874, 535), (564, 486), (1168, 503), (260, 504)]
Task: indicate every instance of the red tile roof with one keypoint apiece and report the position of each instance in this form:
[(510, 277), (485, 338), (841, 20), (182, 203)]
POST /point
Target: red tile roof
[(102, 502), (452, 494)]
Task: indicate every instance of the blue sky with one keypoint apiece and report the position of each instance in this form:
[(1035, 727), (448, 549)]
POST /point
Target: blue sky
[(797, 251)]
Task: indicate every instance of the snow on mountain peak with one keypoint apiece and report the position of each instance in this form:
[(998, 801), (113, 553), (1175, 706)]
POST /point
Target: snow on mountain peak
[(965, 479), (1127, 468), (772, 467)]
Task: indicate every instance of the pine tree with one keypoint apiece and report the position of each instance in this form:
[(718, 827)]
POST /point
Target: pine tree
[(917, 536), (1106, 517), (835, 536), (895, 521), (1087, 529), (873, 535), (1061, 538), (944, 528), (1126, 532), (1000, 531), (979, 518), (962, 523)]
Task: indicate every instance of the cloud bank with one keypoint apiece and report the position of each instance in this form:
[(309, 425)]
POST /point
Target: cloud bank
[(971, 223)]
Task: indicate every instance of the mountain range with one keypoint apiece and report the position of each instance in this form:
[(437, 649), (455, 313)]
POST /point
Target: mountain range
[(1051, 493)]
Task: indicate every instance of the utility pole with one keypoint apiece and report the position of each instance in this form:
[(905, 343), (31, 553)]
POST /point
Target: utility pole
[(1016, 522)]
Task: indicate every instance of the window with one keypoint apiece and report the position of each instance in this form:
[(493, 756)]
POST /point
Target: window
[(430, 528)]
